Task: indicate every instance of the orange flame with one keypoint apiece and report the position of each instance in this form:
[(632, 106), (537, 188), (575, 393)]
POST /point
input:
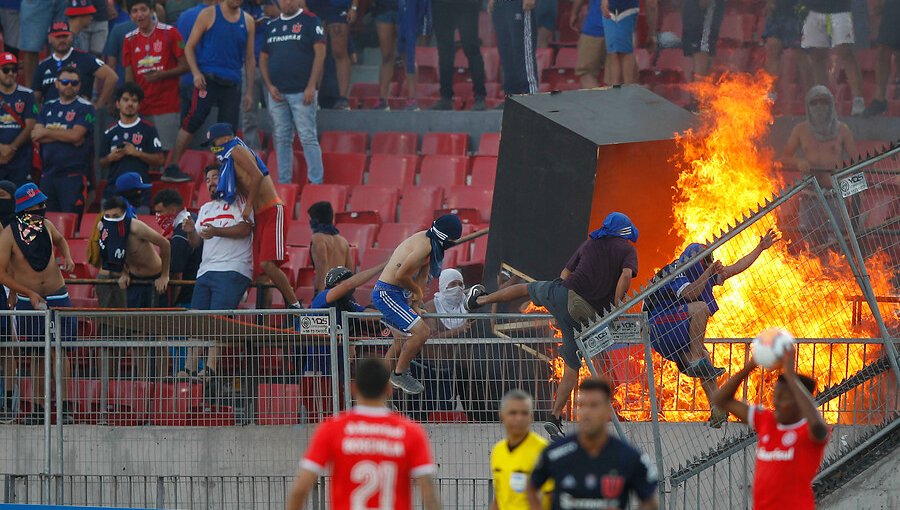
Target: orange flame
[(726, 170)]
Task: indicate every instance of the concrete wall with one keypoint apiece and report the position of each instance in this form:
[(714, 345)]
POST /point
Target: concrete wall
[(878, 488)]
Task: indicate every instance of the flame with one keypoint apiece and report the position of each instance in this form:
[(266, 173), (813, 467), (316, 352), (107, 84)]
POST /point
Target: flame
[(726, 170)]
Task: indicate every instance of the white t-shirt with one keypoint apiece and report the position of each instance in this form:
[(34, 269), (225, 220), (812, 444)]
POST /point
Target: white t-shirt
[(225, 253)]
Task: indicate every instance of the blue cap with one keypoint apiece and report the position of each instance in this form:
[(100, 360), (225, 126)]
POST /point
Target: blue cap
[(29, 195), (217, 131), (130, 181)]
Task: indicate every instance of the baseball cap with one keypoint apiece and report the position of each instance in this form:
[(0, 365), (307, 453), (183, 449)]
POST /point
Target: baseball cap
[(29, 195), (7, 59), (59, 28), (217, 131), (130, 181), (80, 8)]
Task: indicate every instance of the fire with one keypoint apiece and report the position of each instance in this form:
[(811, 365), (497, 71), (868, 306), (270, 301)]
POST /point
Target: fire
[(726, 169)]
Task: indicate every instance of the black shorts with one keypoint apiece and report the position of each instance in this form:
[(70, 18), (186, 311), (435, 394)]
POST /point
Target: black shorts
[(889, 30), (329, 11), (700, 27), (226, 95), (142, 295), (784, 27)]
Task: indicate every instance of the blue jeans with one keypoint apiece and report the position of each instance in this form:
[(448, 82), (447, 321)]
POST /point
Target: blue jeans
[(286, 116), (219, 290)]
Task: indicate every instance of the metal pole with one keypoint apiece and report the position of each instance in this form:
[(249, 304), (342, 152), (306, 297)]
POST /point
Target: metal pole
[(335, 373), (54, 323), (866, 285), (654, 408), (47, 378), (345, 334), (590, 364)]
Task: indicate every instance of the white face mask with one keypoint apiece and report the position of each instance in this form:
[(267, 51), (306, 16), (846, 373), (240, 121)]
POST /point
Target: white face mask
[(453, 296)]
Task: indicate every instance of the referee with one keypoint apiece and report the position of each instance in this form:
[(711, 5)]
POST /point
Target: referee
[(593, 469), (513, 458)]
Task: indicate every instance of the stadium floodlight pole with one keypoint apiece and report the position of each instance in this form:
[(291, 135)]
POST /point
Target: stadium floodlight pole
[(718, 240)]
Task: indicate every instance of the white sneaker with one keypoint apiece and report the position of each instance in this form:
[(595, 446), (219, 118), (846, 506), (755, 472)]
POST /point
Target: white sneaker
[(859, 106)]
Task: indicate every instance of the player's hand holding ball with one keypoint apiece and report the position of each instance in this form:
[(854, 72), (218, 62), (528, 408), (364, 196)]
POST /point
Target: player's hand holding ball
[(771, 346)]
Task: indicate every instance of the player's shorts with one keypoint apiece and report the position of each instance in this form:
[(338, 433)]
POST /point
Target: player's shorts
[(821, 30), (620, 34), (31, 327), (785, 28), (889, 30), (269, 234), (700, 27), (669, 334), (591, 52), (393, 303), (142, 295)]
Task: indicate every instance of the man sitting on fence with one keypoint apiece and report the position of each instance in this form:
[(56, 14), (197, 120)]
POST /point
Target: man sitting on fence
[(27, 268), (680, 310)]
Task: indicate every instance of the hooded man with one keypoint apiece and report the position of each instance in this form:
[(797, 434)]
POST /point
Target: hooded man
[(398, 293), (449, 300), (680, 310), (327, 247), (27, 267), (824, 140), (597, 276)]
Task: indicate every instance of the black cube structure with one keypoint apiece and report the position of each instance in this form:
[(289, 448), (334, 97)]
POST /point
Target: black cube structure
[(567, 160)]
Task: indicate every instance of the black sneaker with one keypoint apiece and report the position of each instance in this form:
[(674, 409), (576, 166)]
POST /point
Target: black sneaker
[(703, 369), (444, 104), (341, 104), (174, 174), (876, 107), (472, 296), (554, 428), (479, 105)]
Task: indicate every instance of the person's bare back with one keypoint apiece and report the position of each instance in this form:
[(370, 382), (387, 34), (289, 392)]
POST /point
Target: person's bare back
[(413, 252), (44, 282), (329, 251)]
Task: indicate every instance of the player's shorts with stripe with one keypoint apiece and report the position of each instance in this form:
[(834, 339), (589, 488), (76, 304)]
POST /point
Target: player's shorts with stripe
[(669, 333), (269, 235), (393, 303)]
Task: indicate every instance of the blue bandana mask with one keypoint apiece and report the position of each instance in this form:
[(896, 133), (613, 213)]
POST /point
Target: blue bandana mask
[(617, 225)]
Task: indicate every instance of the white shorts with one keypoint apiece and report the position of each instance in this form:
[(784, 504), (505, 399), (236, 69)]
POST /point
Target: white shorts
[(822, 30)]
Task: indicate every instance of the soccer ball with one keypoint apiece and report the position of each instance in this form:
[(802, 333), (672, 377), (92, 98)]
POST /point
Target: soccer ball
[(769, 347)]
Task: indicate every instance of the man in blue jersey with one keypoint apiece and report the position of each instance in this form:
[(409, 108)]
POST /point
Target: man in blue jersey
[(619, 21), (591, 42), (593, 469), (680, 310), (131, 144), (219, 52), (291, 63), (17, 118), (64, 129), (87, 66)]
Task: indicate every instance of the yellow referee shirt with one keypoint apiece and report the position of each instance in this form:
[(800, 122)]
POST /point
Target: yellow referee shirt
[(512, 471)]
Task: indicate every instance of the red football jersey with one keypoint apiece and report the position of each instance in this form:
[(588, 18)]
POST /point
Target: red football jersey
[(158, 52), (372, 453), (786, 463)]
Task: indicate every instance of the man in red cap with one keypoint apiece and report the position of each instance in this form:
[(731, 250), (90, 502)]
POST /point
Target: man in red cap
[(80, 14), (64, 55), (17, 117)]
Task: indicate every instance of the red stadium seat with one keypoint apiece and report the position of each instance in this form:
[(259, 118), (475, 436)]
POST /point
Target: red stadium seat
[(419, 204), (278, 404), (363, 90), (484, 171), (174, 402), (465, 197), (428, 90), (336, 194), (347, 169), (359, 235), (393, 169), (381, 199), (388, 142), (489, 144), (567, 58), (192, 162), (298, 234), (298, 173), (479, 250), (440, 170), (150, 220), (672, 67), (185, 189), (344, 141), (392, 234), (445, 143), (128, 403), (315, 396), (64, 222), (78, 248), (374, 256), (88, 221), (85, 393), (447, 416), (288, 194)]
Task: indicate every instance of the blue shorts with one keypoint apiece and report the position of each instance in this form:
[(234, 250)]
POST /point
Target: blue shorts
[(620, 34), (219, 290), (393, 303), (669, 334), (35, 18), (31, 328), (330, 11), (545, 14), (388, 17), (66, 192)]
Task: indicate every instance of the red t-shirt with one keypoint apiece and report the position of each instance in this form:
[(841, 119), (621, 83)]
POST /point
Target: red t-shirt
[(158, 52), (787, 460), (372, 453)]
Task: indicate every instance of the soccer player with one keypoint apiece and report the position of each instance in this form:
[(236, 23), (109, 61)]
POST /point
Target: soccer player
[(792, 437), (513, 458), (593, 469), (371, 451)]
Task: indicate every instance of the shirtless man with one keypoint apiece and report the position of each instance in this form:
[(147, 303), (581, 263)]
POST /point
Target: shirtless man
[(328, 247), (825, 140), (243, 173), (398, 293), (28, 269)]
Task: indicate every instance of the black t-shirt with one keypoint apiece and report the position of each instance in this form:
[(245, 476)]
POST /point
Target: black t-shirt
[(596, 267), (185, 260), (828, 6), (45, 75), (142, 135), (604, 481)]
